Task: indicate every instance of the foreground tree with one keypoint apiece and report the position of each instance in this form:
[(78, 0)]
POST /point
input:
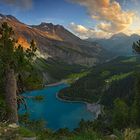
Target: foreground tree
[(136, 47), (135, 111), (120, 114), (14, 60)]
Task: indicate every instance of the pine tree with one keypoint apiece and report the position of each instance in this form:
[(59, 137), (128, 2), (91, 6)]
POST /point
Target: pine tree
[(14, 60), (120, 114), (136, 47), (135, 111)]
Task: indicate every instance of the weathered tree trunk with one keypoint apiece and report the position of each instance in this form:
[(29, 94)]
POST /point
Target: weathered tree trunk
[(10, 95)]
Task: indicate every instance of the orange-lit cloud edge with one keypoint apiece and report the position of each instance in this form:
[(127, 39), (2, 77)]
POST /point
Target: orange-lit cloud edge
[(113, 19)]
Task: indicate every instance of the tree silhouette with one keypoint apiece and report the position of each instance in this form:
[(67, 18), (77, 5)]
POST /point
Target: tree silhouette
[(136, 47), (13, 60), (135, 112)]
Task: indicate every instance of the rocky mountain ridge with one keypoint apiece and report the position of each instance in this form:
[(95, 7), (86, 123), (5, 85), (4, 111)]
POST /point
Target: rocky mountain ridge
[(119, 44), (57, 42)]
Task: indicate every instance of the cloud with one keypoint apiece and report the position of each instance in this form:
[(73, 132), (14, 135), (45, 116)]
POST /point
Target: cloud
[(24, 4), (135, 1), (134, 28), (79, 28), (84, 32), (130, 32), (109, 12)]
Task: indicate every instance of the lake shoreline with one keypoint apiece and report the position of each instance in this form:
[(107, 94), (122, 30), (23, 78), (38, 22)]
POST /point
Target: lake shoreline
[(57, 83), (94, 108)]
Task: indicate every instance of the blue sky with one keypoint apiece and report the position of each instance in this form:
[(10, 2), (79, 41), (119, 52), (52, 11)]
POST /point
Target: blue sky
[(56, 11), (76, 15)]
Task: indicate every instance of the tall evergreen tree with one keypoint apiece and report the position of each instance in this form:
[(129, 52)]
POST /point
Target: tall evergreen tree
[(14, 60), (120, 114), (136, 47), (135, 111)]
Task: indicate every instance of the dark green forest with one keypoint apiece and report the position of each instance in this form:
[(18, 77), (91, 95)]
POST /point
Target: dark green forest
[(106, 82)]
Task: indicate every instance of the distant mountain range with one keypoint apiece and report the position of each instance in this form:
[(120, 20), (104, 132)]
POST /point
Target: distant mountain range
[(57, 42), (120, 44)]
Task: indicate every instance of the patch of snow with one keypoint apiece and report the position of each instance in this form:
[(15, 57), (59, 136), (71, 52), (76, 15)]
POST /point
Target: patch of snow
[(45, 26), (40, 55), (29, 27)]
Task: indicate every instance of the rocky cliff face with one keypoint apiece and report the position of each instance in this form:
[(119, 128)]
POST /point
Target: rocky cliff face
[(56, 42)]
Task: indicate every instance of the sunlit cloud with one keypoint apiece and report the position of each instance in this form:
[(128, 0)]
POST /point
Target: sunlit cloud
[(134, 28), (84, 32), (113, 19)]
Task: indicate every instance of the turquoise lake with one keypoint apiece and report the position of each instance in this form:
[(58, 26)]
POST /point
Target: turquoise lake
[(56, 113)]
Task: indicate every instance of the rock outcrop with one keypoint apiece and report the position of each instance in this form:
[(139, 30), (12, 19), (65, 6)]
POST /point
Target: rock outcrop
[(57, 42)]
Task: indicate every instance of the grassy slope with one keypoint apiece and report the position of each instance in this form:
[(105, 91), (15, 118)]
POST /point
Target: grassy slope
[(8, 132), (57, 70), (106, 82)]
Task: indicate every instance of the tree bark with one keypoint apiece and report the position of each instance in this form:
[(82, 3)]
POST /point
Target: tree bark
[(10, 96)]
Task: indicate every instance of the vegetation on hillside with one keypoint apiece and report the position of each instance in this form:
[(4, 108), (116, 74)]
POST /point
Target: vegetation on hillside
[(115, 85), (57, 70), (105, 81)]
